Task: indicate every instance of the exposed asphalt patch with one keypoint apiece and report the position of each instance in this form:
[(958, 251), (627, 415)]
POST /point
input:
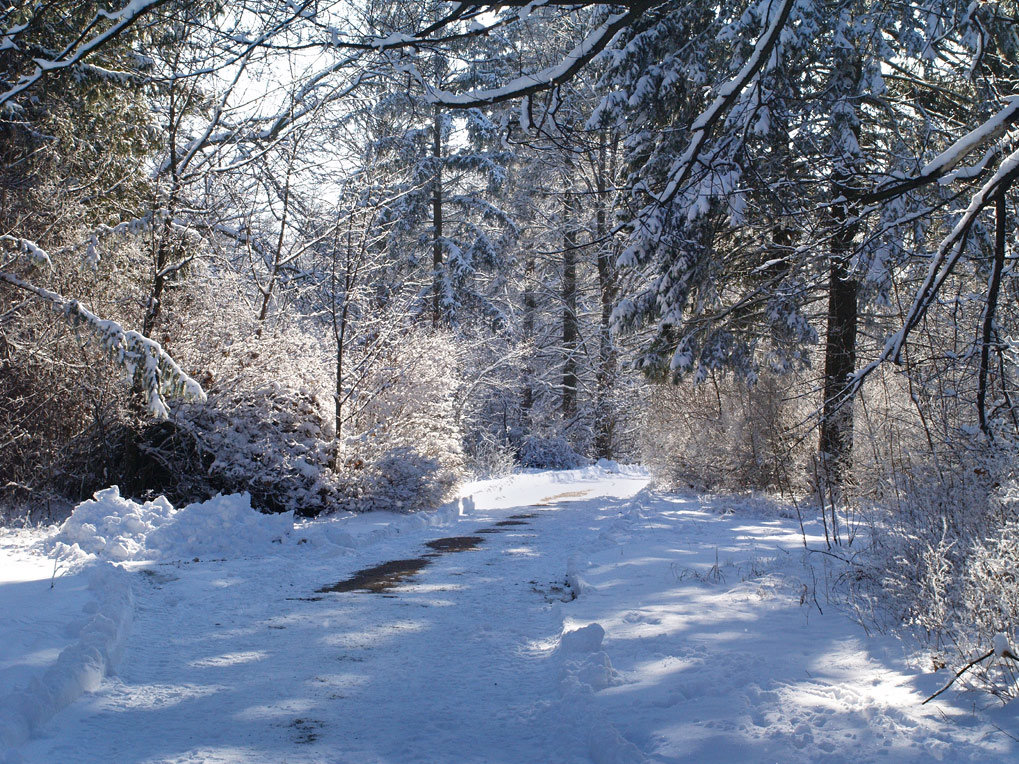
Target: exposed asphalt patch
[(382, 578), (379, 578), (454, 544)]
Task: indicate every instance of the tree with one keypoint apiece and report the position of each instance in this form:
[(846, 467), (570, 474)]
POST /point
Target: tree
[(684, 181)]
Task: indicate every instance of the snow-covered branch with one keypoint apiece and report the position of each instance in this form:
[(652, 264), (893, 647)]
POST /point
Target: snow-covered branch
[(948, 160), (78, 50), (726, 97), (265, 129), (552, 76), (948, 255), (143, 359), (28, 249)]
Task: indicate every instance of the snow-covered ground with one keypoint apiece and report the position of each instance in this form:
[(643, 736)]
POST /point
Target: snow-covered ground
[(604, 623)]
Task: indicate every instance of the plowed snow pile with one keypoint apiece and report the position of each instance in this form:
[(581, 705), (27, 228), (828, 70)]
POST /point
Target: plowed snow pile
[(118, 529)]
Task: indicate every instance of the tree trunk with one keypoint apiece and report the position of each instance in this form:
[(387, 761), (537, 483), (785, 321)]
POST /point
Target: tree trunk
[(836, 437), (993, 287), (437, 220), (605, 374), (569, 297), (835, 443), (527, 330)]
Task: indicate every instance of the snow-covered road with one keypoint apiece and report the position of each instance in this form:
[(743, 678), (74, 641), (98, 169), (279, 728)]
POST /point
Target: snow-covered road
[(707, 646)]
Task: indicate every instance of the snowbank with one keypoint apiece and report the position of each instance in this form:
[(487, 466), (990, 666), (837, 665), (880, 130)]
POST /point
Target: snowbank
[(111, 527), (534, 486), (81, 666), (223, 526)]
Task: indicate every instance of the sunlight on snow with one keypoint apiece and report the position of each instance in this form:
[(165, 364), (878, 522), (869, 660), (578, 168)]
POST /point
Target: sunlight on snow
[(230, 659)]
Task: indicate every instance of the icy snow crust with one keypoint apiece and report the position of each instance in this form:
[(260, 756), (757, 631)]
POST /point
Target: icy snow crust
[(613, 625)]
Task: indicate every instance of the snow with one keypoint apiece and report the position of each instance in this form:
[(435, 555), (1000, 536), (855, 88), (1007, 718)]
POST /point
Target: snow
[(113, 528), (586, 639), (1002, 648), (985, 131), (99, 636), (584, 51), (396, 38), (33, 642), (32, 251), (605, 623)]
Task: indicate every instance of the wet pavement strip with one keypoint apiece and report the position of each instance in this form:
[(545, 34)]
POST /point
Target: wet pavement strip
[(382, 578), (454, 544), (379, 578)]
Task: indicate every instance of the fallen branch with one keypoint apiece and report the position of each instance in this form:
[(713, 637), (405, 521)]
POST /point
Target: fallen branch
[(1001, 649)]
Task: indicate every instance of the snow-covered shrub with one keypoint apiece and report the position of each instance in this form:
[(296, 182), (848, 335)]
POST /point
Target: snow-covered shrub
[(955, 579), (266, 423), (551, 452), (402, 479), (990, 586), (488, 458), (943, 504), (725, 434), (405, 449), (264, 429)]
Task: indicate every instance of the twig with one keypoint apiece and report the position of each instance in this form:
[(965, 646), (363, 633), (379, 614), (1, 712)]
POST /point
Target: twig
[(964, 669)]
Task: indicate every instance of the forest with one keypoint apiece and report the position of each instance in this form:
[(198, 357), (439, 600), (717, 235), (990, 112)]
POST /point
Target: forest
[(347, 256)]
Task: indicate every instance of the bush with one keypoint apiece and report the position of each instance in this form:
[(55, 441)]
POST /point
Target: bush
[(264, 430), (551, 452), (404, 452), (400, 480), (723, 434), (945, 551), (488, 458)]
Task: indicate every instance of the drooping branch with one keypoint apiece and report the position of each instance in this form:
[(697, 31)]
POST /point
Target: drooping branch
[(142, 358), (552, 76), (726, 97), (28, 249)]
